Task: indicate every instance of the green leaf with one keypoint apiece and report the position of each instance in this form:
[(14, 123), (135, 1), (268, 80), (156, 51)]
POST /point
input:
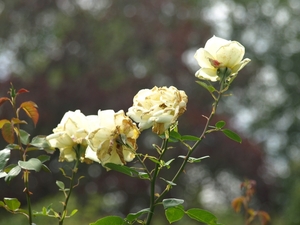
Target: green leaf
[(3, 174), (44, 212), (73, 212), (45, 168), (12, 203), (144, 175), (60, 184), (220, 124), (174, 214), (49, 208), (194, 160), (210, 88), (122, 169), (169, 162), (169, 182), (110, 220), (13, 172), (174, 136), (41, 142), (2, 204), (9, 167), (13, 147), (24, 137), (43, 158), (166, 164), (189, 138), (153, 159), (32, 164), (202, 216), (4, 157), (232, 135), (133, 216), (172, 202)]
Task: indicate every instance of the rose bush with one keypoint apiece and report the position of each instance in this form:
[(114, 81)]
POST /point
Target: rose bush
[(158, 108), (220, 56), (110, 137)]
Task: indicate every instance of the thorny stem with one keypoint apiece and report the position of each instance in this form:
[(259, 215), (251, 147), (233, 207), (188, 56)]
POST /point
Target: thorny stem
[(143, 164), (153, 182), (191, 150), (64, 213), (28, 193)]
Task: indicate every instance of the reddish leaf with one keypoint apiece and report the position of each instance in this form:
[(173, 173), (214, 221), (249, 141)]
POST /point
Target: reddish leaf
[(31, 110), (8, 133), (3, 99), (18, 121), (237, 203), (264, 216), (22, 90), (2, 122)]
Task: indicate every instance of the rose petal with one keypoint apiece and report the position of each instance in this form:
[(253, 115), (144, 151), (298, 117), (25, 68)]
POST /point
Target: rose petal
[(60, 140), (203, 58), (90, 154), (240, 66), (214, 44), (67, 154), (231, 54), (207, 74)]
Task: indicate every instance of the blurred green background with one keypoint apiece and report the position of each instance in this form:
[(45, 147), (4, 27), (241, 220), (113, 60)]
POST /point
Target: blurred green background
[(97, 54)]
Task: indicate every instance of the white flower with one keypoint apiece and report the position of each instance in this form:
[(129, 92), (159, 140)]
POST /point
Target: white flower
[(70, 132), (158, 108), (219, 54), (112, 139)]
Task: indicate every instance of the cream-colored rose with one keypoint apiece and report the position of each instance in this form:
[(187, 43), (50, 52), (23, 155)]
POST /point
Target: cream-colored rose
[(220, 55), (113, 138), (158, 108), (71, 131)]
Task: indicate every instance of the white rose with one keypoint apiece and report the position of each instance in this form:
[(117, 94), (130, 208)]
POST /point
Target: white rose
[(113, 139), (158, 108), (219, 54), (71, 131)]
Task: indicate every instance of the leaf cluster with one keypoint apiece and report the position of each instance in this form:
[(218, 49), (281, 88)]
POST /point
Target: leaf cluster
[(243, 201), (174, 211)]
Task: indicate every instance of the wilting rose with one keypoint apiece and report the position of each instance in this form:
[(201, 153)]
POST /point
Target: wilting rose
[(69, 133), (220, 56), (112, 138), (158, 108)]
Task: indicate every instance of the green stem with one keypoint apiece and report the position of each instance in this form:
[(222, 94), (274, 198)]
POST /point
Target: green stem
[(153, 182), (27, 192), (64, 213), (143, 164), (191, 150)]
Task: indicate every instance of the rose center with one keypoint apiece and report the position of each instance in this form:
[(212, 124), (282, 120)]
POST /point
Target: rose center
[(214, 63)]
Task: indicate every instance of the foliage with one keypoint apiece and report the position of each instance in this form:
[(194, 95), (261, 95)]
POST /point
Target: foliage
[(68, 53), (65, 139)]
